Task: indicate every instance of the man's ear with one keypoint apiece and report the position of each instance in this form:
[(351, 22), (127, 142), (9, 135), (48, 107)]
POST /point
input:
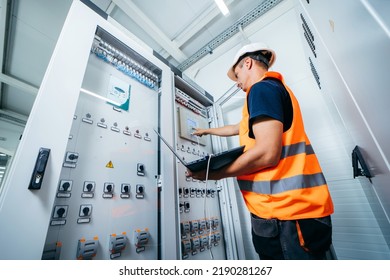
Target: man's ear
[(248, 62)]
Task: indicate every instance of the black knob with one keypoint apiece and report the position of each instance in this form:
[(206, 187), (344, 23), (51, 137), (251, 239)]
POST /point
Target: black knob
[(86, 211), (73, 156), (89, 187), (60, 212), (109, 188), (65, 186)]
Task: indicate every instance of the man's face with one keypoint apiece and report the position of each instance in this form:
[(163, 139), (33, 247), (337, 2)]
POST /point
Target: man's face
[(241, 74)]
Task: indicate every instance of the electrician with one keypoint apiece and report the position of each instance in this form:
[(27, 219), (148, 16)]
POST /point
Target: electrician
[(278, 174)]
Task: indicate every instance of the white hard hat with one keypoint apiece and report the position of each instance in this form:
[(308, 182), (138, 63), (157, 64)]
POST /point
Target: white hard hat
[(250, 48)]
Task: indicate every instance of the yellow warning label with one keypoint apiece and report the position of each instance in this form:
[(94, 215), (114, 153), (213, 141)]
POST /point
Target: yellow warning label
[(109, 164)]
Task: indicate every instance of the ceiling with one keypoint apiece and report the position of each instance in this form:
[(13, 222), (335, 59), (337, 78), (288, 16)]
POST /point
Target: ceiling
[(180, 31)]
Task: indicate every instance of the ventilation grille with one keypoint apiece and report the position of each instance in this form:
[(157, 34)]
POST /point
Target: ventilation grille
[(308, 35), (229, 32), (315, 73)]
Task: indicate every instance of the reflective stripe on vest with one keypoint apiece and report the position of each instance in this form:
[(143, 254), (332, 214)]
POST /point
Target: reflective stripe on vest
[(287, 184), (295, 149)]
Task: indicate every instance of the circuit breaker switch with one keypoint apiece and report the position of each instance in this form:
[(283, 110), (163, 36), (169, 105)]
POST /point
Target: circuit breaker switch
[(117, 244), (87, 249), (141, 238)]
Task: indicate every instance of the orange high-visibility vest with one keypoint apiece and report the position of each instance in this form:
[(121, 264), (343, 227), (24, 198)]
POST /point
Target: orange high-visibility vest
[(293, 189)]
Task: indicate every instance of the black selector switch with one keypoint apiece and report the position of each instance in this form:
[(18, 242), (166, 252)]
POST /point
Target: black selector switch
[(60, 212), (140, 169), (88, 187), (73, 157), (65, 186), (85, 211), (140, 191), (125, 191), (108, 188)]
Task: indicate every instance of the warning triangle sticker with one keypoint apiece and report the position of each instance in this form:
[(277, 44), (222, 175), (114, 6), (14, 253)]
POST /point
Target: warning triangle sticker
[(109, 164)]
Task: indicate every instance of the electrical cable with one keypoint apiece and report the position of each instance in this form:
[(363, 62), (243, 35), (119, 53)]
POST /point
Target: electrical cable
[(205, 208)]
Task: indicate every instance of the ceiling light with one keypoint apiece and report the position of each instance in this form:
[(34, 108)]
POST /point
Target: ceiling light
[(222, 7)]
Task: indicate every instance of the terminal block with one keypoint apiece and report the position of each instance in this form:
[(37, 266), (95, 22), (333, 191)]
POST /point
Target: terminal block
[(195, 245), (217, 237), (117, 244), (87, 249), (202, 226), (194, 227), (204, 242), (184, 228), (141, 238), (215, 223), (185, 248)]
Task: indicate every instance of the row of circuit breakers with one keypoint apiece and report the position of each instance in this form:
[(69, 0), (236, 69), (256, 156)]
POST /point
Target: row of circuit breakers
[(87, 249)]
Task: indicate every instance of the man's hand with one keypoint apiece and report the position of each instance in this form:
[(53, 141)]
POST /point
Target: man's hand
[(200, 175), (199, 131)]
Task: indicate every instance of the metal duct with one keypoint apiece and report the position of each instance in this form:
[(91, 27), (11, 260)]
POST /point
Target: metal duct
[(229, 32)]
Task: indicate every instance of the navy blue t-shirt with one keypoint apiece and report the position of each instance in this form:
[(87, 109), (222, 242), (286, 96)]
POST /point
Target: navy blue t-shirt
[(269, 98)]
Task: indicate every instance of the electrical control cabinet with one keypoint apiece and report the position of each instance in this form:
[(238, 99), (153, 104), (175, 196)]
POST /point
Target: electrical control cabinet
[(107, 190), (96, 112), (201, 231)]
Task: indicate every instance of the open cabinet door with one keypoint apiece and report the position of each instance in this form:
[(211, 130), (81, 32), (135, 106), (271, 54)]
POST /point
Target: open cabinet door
[(84, 180)]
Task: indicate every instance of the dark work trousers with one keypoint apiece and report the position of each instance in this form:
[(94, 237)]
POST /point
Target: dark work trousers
[(305, 239)]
